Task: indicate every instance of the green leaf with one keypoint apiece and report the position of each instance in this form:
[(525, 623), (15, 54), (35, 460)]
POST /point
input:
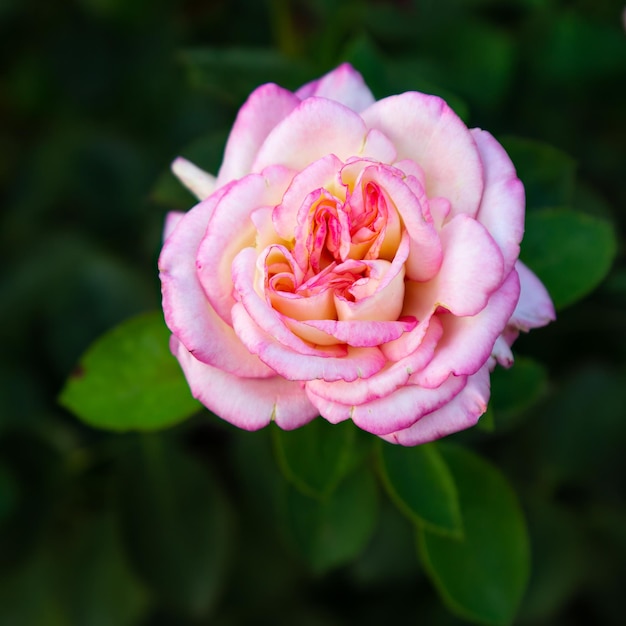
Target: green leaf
[(100, 588), (176, 525), (516, 389), (28, 594), (481, 577), (329, 533), (422, 487), (560, 561), (548, 173), (9, 493), (232, 74), (128, 380), (571, 252), (316, 457)]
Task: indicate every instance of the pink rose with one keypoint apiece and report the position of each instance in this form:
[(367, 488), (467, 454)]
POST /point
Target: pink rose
[(354, 259)]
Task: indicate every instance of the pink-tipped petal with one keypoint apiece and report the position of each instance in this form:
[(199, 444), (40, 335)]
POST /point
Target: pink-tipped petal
[(501, 352), (187, 313), (171, 221), (317, 128), (502, 207), (461, 412), (199, 182), (361, 334), (534, 308), (470, 272), (344, 84), (425, 253), (230, 229), (294, 365), (397, 411), (467, 342), (322, 174), (245, 402), (265, 108), (426, 130), (390, 378)]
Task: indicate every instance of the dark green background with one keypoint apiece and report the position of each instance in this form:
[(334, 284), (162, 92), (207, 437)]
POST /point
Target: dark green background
[(96, 98)]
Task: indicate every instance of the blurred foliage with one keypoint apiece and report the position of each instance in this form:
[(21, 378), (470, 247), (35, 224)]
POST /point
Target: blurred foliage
[(195, 524)]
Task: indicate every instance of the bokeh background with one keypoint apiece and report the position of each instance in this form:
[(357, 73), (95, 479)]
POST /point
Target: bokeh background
[(96, 99)]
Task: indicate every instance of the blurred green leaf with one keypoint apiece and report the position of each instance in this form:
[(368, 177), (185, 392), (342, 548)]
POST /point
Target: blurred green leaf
[(419, 74), (316, 457), (580, 430), (37, 473), (559, 552), (548, 173), (331, 532), (571, 252), (176, 525), (516, 389), (129, 380), (9, 493), (100, 588), (231, 74), (389, 558), (422, 487), (579, 50), (29, 594), (481, 577)]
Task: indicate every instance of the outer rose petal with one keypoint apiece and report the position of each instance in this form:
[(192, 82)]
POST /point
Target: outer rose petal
[(262, 111), (247, 403), (386, 381), (425, 129), (230, 229), (470, 272), (502, 207), (317, 128), (293, 365), (344, 84), (199, 182), (535, 307), (399, 410), (186, 310), (171, 221), (467, 341), (458, 414)]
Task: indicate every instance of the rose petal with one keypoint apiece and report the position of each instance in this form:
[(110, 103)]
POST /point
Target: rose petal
[(383, 383), (459, 413), (379, 297), (534, 308), (344, 84), (502, 206), (323, 173), (294, 365), (187, 313), (264, 318), (471, 269), (359, 334), (425, 253), (171, 221), (425, 129), (317, 128), (501, 352), (199, 182), (467, 341), (262, 111), (396, 411), (230, 229), (245, 402)]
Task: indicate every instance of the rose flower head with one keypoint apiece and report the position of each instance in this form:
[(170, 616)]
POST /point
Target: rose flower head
[(354, 259)]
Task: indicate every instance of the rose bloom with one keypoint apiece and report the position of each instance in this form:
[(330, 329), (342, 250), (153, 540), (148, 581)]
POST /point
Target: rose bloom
[(354, 259)]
